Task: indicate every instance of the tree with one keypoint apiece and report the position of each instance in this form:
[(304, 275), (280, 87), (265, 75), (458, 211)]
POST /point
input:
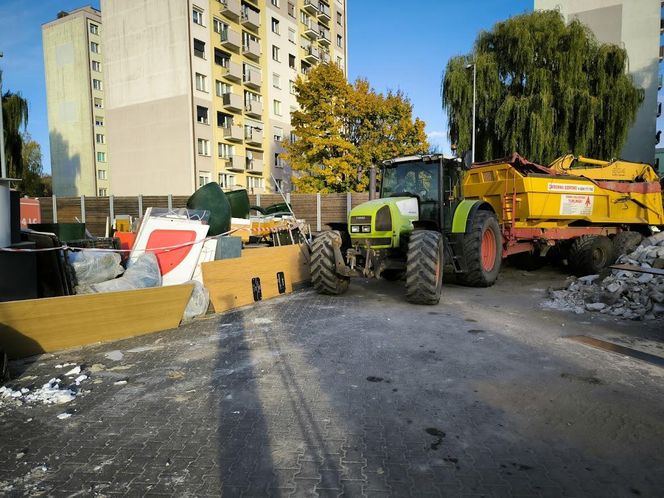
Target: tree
[(544, 88), (15, 119), (32, 177), (342, 129)]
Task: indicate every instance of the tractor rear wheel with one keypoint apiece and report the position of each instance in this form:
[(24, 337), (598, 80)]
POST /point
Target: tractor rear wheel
[(482, 250), (424, 267), (324, 277), (626, 242), (590, 254)]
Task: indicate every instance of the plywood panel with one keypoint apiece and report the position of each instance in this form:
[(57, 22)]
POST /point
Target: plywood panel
[(44, 325), (230, 280)]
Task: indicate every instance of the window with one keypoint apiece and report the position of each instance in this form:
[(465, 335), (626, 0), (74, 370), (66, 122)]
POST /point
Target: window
[(340, 62), (276, 80), (101, 174), (226, 181), (291, 87), (291, 61), (275, 25), (339, 22), (222, 88), (221, 58), (224, 150), (291, 35), (197, 16), (218, 26), (96, 84), (201, 82), (278, 163), (293, 137), (276, 106), (203, 147), (202, 114), (275, 3), (254, 182), (199, 48), (99, 121), (94, 47), (203, 178), (339, 41), (96, 66), (99, 138), (278, 133), (94, 29), (277, 183), (103, 192), (99, 103), (291, 9), (275, 53), (305, 68), (101, 157)]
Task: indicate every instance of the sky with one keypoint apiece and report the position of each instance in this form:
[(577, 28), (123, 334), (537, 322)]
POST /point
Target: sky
[(397, 45)]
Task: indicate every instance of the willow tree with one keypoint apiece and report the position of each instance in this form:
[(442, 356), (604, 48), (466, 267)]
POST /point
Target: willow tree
[(544, 88), (342, 129), (15, 120)]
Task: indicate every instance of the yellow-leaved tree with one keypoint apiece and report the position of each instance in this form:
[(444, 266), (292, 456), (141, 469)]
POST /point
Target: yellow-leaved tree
[(342, 129)]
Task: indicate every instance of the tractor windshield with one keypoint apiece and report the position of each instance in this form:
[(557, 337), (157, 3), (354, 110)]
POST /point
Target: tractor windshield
[(419, 179)]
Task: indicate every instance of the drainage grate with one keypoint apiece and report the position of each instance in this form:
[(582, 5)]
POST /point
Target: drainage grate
[(615, 348)]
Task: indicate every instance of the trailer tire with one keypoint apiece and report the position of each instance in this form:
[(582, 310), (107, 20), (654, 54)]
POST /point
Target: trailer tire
[(626, 242), (590, 254), (324, 277), (424, 267), (482, 251)]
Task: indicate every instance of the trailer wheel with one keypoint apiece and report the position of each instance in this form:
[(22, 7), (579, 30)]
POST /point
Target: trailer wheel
[(590, 254), (424, 267), (324, 277), (482, 250), (626, 242)]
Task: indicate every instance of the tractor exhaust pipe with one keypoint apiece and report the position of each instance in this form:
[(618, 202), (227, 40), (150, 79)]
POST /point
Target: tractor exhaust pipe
[(372, 182)]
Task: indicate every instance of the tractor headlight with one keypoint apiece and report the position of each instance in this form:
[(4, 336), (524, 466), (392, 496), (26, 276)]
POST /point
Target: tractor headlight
[(355, 229), (366, 228)]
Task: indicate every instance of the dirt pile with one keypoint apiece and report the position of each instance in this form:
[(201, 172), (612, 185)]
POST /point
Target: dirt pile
[(623, 294)]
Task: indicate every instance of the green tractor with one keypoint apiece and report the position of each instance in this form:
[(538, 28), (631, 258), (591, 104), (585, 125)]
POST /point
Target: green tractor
[(420, 224)]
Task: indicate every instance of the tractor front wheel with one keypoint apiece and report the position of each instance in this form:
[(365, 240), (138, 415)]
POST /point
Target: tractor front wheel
[(324, 277), (424, 267), (482, 250)]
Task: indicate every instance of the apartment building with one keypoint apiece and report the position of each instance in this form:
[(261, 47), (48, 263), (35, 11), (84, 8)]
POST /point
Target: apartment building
[(634, 25), (75, 100), (201, 90)]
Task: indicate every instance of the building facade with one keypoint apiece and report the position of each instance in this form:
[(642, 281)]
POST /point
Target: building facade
[(75, 100), (635, 26), (201, 90)]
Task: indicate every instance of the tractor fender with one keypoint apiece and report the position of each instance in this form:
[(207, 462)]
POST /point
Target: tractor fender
[(465, 212)]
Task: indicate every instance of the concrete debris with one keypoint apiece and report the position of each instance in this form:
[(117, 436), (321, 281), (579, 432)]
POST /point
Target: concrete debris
[(622, 294)]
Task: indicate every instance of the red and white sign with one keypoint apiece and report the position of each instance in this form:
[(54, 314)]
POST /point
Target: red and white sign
[(576, 205), (30, 212), (571, 187)]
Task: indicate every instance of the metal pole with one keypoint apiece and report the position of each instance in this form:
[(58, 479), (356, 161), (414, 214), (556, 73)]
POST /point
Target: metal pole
[(372, 182), (474, 104)]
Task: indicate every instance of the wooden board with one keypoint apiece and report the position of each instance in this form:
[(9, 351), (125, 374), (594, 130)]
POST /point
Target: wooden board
[(44, 325), (638, 269), (229, 281)]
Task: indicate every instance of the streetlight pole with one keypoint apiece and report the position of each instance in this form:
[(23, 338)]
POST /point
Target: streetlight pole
[(5, 205), (474, 66), (3, 163)]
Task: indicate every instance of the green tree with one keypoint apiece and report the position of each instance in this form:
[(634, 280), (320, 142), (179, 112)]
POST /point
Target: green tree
[(32, 177), (544, 88), (15, 120), (342, 129)]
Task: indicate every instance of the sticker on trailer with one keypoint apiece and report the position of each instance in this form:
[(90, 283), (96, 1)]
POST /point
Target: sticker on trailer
[(581, 205), (570, 187)]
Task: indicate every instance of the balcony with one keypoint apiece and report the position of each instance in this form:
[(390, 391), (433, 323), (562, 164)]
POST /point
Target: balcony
[(310, 31), (254, 109), (324, 37), (254, 165), (231, 40), (311, 7), (232, 102), (251, 19), (235, 163), (311, 55), (251, 49), (324, 12), (253, 136), (231, 9), (252, 79), (233, 133), (325, 57), (232, 71)]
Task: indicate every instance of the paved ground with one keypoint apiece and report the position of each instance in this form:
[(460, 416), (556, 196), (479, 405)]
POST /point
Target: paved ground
[(360, 395)]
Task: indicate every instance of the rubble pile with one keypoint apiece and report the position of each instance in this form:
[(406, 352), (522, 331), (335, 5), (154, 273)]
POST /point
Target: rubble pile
[(623, 294)]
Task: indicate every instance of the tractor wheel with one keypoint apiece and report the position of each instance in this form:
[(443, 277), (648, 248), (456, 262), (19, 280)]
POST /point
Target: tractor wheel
[(626, 242), (590, 254), (323, 266), (482, 250), (528, 261), (424, 267)]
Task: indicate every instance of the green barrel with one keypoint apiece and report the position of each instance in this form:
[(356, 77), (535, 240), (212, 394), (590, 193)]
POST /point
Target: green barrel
[(239, 200), (64, 231), (211, 198)]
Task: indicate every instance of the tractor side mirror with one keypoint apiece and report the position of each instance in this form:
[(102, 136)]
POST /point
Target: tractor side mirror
[(468, 159)]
